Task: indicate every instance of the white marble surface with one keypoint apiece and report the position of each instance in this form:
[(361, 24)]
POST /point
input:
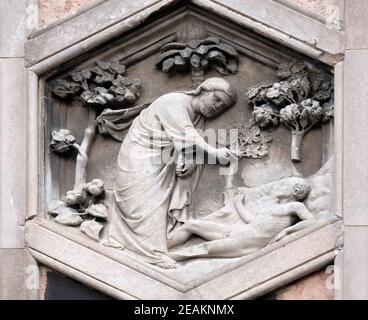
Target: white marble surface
[(12, 35)]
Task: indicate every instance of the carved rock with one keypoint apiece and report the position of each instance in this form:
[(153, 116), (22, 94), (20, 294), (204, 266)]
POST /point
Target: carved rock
[(97, 210), (69, 217), (54, 207), (81, 205), (92, 228), (74, 198)]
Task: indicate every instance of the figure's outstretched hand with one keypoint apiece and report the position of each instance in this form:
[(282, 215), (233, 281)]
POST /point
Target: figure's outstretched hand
[(185, 170), (225, 155)]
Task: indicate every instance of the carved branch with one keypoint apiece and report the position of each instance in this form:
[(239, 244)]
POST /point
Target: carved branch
[(296, 101), (252, 143), (103, 85)]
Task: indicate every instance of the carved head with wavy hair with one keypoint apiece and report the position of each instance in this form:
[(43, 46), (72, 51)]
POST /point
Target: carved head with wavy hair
[(292, 189), (301, 190), (213, 97)]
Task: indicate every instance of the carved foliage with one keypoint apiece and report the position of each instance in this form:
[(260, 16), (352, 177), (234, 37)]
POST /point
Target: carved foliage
[(252, 142), (101, 85), (81, 209), (300, 100), (197, 52), (62, 141)]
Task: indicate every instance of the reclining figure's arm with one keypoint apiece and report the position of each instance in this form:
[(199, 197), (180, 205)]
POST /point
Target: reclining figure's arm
[(295, 208), (302, 212), (242, 211)]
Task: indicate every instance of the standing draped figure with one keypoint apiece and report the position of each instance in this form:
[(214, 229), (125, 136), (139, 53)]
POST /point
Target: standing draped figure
[(150, 195)]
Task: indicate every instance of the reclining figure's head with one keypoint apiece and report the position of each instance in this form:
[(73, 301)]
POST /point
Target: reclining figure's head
[(294, 189)]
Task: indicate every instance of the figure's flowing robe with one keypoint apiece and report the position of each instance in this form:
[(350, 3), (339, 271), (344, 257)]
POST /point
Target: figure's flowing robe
[(147, 190)]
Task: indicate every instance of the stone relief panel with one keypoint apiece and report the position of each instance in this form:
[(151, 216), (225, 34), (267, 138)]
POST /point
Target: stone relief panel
[(298, 101), (195, 51), (198, 150)]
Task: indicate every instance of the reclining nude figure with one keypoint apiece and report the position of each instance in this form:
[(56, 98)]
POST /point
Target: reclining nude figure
[(252, 219)]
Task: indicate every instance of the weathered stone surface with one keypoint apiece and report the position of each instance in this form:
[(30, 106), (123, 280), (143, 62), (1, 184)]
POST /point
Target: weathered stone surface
[(317, 6), (12, 35), (311, 287), (18, 275), (338, 139), (355, 272), (324, 8), (338, 275), (51, 11), (106, 14), (141, 281), (355, 143), (293, 23), (356, 24), (13, 155), (306, 35)]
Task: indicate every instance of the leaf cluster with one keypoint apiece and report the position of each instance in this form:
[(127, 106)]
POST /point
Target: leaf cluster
[(101, 85)]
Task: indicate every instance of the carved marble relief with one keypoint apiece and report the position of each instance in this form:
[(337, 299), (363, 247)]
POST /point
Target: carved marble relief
[(154, 207), (195, 51), (299, 101), (99, 88)]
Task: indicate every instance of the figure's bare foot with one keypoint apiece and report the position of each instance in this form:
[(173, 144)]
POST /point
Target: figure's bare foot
[(166, 263)]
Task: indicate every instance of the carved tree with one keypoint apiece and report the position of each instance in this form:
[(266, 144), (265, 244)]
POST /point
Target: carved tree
[(300, 118), (99, 87), (250, 142), (196, 51), (300, 101)]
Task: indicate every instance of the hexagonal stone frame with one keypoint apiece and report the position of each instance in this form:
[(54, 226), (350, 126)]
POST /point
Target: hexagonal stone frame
[(126, 278)]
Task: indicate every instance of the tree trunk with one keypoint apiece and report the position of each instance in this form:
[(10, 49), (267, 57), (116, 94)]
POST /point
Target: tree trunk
[(82, 158), (230, 173), (296, 141), (197, 77)]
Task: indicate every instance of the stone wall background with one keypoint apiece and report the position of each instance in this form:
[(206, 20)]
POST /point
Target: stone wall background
[(312, 287), (316, 6), (52, 10)]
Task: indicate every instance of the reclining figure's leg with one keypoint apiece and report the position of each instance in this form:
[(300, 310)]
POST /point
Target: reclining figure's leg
[(205, 229), (224, 248)]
